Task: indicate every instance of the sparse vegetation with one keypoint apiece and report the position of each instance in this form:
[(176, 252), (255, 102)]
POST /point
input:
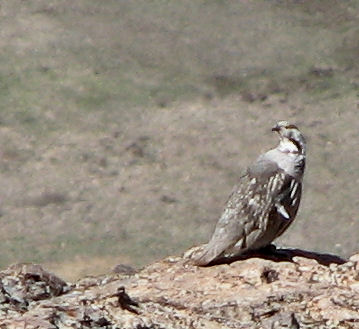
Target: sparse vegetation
[(123, 124)]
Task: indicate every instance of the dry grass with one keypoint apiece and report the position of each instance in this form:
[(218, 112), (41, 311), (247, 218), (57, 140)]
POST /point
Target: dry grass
[(124, 125)]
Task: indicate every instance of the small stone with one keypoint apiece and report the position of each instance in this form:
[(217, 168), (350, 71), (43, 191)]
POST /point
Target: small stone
[(354, 258)]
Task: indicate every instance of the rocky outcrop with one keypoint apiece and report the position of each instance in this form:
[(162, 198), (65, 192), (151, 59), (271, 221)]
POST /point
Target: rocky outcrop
[(287, 289)]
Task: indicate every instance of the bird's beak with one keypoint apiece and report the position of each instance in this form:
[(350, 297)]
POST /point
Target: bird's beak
[(276, 128)]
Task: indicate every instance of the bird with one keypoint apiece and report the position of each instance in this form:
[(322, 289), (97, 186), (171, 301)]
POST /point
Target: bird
[(265, 201)]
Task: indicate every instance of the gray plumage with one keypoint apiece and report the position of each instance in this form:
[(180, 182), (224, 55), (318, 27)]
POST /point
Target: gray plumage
[(264, 203)]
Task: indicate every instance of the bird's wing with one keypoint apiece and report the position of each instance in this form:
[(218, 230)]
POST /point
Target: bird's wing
[(246, 213), (287, 203)]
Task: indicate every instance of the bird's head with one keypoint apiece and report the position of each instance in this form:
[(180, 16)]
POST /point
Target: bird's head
[(291, 139)]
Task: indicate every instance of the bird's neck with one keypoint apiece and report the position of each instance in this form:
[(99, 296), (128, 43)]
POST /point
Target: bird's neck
[(289, 157), (290, 147)]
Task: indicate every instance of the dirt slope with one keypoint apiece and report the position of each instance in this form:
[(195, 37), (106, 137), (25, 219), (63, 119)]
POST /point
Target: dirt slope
[(125, 125)]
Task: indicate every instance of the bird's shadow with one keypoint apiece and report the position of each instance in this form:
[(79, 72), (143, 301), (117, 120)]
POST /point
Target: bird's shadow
[(282, 255)]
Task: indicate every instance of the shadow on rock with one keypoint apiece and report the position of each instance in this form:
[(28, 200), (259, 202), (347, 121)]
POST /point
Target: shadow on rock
[(282, 255)]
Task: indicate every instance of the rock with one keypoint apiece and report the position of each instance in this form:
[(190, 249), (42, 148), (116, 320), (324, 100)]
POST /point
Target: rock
[(292, 289), (23, 283)]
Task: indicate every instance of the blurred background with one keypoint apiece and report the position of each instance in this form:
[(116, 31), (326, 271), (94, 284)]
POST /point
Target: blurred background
[(124, 125)]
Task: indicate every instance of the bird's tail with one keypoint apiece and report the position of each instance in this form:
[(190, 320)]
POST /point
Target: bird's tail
[(208, 255)]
